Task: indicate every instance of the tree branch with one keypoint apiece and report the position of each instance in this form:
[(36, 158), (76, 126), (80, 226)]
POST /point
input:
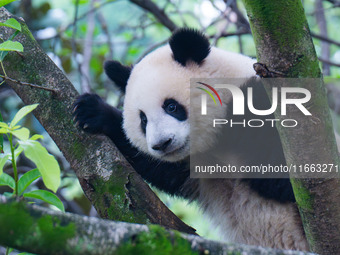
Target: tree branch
[(241, 23), (322, 24), (113, 187), (87, 51), (283, 44), (314, 35), (331, 63), (38, 230), (158, 13), (84, 15), (325, 39), (237, 33), (106, 31), (27, 84)]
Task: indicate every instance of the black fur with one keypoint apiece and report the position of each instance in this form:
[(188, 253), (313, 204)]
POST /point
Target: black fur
[(189, 44), (95, 116), (256, 145), (118, 73), (259, 145), (278, 189), (143, 121), (178, 112)]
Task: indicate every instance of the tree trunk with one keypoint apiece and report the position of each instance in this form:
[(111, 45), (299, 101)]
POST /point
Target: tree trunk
[(112, 186), (42, 231), (283, 43)]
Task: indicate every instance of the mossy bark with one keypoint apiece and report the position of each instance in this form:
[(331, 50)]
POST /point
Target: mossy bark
[(284, 45), (112, 186), (39, 230)]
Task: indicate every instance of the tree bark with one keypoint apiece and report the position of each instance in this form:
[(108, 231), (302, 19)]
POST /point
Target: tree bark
[(112, 186), (283, 43), (42, 231)]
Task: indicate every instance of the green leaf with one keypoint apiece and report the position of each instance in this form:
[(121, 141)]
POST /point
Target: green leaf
[(18, 151), (36, 137), (48, 166), (3, 160), (80, 2), (27, 179), (4, 2), (12, 23), (23, 133), (47, 197), (7, 180), (3, 125), (3, 54), (22, 113), (4, 131), (15, 127), (11, 46), (1, 136)]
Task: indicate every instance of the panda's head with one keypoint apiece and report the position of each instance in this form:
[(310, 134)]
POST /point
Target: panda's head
[(157, 91)]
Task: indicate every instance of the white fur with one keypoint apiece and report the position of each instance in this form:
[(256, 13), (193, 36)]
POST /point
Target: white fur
[(158, 77), (249, 218), (242, 215)]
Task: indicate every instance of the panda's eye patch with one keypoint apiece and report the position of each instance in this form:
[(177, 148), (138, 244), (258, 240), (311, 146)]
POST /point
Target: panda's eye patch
[(175, 109), (143, 121)]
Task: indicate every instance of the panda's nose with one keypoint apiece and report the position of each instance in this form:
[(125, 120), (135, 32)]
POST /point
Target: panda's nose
[(162, 145)]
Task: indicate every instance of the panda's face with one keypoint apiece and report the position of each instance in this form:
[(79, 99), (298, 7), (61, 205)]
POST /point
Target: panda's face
[(166, 129), (156, 107)]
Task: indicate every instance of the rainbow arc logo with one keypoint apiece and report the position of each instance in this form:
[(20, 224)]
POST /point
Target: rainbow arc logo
[(209, 93)]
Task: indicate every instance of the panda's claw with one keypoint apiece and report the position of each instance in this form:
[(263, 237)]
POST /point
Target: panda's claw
[(75, 107), (93, 115)]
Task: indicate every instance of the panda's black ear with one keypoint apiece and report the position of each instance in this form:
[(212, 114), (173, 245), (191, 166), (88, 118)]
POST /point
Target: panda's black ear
[(189, 44), (118, 73)]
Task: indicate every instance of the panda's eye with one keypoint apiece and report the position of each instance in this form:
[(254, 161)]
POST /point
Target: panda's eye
[(143, 120), (175, 109), (171, 107)]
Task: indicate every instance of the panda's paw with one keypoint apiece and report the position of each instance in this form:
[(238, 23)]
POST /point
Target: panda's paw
[(89, 113)]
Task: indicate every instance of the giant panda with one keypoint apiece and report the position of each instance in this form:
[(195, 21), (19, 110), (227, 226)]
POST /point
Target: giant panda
[(153, 134)]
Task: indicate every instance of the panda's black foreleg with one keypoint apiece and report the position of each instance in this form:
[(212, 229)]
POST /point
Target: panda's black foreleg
[(95, 116)]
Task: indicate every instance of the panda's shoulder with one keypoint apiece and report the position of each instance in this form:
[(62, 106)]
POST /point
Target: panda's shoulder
[(232, 64), (279, 190)]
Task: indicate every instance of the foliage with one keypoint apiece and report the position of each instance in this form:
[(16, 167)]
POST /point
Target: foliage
[(5, 2), (1, 137), (47, 166), (9, 45)]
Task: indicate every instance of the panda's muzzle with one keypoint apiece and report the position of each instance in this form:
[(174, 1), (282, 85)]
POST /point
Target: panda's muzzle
[(167, 149), (162, 145)]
